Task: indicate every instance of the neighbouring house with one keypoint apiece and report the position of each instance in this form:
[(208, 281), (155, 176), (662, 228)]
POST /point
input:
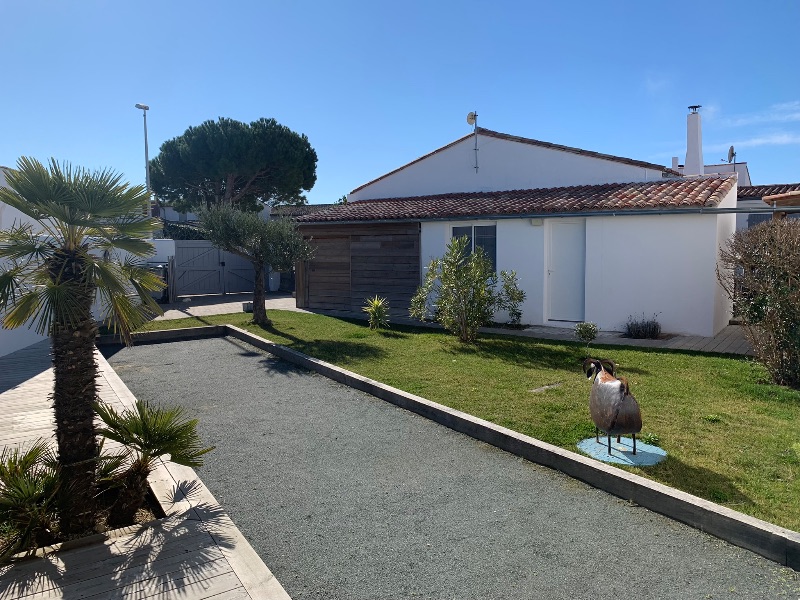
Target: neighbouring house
[(754, 196)]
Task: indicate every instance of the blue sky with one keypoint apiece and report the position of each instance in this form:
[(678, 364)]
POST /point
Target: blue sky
[(376, 84)]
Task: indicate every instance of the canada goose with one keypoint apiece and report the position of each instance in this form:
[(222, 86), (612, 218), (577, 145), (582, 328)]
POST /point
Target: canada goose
[(613, 408)]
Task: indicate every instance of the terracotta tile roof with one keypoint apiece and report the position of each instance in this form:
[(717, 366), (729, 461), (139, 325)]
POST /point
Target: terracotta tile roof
[(759, 191), (532, 142), (291, 211), (686, 192)]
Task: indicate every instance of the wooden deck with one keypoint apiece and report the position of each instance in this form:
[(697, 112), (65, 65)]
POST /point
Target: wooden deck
[(196, 552)]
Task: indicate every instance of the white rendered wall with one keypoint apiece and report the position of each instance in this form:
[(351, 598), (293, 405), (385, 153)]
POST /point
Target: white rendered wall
[(642, 266), (520, 247), (164, 250), (635, 265), (502, 165)]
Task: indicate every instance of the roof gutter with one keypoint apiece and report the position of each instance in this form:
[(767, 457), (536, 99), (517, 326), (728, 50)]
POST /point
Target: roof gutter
[(695, 210)]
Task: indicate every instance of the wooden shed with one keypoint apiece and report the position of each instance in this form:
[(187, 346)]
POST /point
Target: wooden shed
[(353, 262)]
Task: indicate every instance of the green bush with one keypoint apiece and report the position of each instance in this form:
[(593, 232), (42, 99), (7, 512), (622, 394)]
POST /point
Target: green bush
[(28, 505), (586, 332), (460, 291), (378, 311), (761, 274), (643, 329), (512, 297)]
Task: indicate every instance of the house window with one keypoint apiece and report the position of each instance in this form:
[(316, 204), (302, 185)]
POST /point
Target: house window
[(480, 236)]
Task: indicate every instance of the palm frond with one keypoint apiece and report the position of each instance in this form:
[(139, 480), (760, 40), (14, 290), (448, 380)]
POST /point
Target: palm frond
[(154, 431)]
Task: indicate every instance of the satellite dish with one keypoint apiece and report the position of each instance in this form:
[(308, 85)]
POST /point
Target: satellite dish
[(471, 118), (731, 154)]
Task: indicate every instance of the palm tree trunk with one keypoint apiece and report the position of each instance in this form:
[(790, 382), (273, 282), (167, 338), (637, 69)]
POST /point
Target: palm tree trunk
[(74, 394), (259, 298), (131, 494)]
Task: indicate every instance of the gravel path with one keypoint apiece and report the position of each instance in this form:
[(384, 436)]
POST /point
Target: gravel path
[(346, 496)]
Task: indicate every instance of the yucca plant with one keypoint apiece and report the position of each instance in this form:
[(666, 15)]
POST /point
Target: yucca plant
[(378, 311), (28, 497), (148, 432)]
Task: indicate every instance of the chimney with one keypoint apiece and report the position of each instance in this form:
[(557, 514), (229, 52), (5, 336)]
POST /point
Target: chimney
[(694, 143), (675, 164)]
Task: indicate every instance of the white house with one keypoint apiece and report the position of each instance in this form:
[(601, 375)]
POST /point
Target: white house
[(591, 236)]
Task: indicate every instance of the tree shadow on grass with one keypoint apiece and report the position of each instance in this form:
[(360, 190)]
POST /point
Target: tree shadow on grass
[(701, 482), (334, 351)]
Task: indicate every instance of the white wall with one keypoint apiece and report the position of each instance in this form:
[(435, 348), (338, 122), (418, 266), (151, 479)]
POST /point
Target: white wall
[(502, 165), (520, 248), (635, 265), (644, 266), (164, 249)]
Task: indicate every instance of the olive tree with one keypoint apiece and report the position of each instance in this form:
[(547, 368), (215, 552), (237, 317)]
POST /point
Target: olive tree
[(275, 243)]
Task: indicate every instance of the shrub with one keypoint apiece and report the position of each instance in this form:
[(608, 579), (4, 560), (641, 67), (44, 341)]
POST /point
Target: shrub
[(643, 328), (147, 431), (512, 297), (586, 332), (460, 291), (761, 274), (378, 311), (28, 486), (651, 438)]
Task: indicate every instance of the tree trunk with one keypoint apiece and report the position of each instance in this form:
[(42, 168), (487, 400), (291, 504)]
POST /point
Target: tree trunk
[(74, 394), (259, 309), (131, 494)]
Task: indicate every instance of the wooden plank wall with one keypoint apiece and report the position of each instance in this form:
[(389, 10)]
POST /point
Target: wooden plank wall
[(354, 262)]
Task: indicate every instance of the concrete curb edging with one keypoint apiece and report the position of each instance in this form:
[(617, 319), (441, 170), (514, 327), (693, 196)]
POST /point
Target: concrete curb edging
[(771, 541)]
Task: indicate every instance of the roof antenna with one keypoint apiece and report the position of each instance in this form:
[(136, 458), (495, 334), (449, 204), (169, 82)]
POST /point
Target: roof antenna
[(472, 119)]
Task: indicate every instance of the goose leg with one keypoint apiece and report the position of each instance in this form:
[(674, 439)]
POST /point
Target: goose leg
[(597, 434), (609, 443), (619, 439), (634, 444)]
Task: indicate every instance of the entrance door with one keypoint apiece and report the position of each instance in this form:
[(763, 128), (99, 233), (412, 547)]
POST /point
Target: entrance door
[(566, 270)]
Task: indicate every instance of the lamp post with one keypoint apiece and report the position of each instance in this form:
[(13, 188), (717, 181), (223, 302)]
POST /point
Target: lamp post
[(144, 109)]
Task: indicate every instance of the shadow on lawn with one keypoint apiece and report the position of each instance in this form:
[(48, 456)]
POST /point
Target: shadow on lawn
[(334, 351), (701, 482)]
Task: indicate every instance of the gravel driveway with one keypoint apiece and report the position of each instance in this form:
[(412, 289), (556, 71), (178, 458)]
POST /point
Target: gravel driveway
[(346, 496)]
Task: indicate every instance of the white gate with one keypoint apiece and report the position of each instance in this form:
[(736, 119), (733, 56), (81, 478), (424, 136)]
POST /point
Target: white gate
[(202, 268), (566, 270)]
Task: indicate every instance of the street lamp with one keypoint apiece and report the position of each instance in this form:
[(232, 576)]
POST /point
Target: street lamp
[(144, 108)]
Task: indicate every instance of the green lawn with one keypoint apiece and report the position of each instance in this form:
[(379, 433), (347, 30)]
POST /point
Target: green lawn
[(731, 437)]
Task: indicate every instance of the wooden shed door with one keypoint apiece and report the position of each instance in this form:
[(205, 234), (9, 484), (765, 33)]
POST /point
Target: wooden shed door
[(329, 274)]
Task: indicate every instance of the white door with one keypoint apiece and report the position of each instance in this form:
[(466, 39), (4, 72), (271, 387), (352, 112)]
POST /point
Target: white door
[(566, 270)]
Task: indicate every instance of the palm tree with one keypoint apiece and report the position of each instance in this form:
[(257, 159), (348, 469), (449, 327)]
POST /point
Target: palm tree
[(147, 433), (50, 277)]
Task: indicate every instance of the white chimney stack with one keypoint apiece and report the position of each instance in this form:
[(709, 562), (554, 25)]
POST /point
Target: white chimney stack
[(694, 144), (675, 163)]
